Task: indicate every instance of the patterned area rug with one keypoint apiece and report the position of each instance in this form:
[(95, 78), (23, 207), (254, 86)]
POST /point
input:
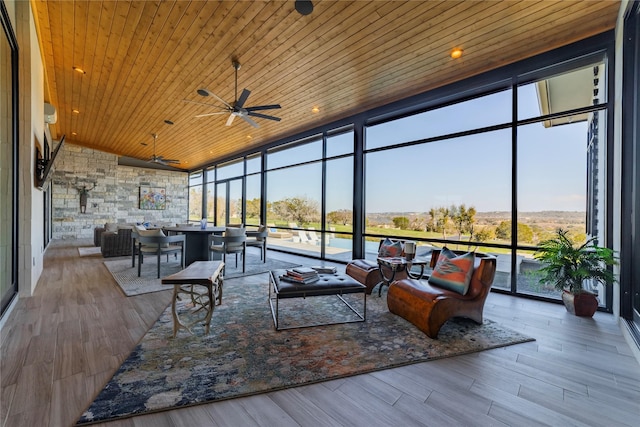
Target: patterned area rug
[(244, 354), (127, 276)]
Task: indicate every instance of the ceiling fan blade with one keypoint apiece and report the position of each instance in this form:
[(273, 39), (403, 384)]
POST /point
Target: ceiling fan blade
[(230, 119), (263, 116), (207, 92), (211, 114), (263, 107), (243, 98), (248, 120)]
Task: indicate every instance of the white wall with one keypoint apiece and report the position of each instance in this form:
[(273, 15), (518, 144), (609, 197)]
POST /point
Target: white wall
[(37, 127), (31, 125)]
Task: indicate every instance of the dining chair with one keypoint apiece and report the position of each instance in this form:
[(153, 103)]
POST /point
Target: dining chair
[(159, 244), (233, 241), (259, 239)]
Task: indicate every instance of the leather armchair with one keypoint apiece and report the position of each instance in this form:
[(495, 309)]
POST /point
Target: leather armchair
[(428, 306)]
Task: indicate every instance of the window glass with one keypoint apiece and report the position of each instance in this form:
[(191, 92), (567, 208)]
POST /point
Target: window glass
[(231, 169), (195, 203), (578, 88), (195, 178), (339, 195), (254, 163), (338, 144), (476, 113), (294, 196), (253, 200), (8, 218), (210, 174), (419, 191), (339, 209), (291, 154)]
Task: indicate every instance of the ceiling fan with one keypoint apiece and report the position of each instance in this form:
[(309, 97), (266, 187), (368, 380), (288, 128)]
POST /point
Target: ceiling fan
[(237, 108), (159, 159)]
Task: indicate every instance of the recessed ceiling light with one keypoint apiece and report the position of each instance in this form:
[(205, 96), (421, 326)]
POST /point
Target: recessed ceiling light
[(73, 133), (315, 110), (249, 137), (456, 53), (75, 111), (79, 70)]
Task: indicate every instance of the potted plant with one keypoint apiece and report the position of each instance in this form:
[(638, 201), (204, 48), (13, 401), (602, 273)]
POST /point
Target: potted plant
[(568, 265)]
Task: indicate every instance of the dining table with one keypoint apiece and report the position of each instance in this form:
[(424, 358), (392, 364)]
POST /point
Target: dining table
[(197, 241)]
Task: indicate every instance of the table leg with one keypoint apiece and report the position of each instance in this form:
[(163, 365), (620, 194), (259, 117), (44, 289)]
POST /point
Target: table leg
[(411, 275), (386, 281)]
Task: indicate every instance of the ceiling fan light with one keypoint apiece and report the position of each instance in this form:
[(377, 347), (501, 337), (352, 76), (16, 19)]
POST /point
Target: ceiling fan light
[(456, 53)]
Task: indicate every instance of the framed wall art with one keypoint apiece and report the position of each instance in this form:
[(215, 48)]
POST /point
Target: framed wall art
[(153, 198)]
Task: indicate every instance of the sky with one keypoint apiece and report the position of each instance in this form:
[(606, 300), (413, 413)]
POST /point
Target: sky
[(473, 170)]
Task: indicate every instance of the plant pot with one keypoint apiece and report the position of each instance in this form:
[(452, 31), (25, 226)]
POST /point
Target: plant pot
[(584, 304)]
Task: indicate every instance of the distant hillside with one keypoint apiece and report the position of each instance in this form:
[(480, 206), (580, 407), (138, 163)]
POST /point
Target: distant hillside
[(543, 219)]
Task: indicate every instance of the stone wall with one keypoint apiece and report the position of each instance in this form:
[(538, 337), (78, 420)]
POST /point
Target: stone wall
[(115, 197)]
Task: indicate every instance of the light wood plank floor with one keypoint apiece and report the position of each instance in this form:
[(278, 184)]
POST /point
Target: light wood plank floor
[(62, 345)]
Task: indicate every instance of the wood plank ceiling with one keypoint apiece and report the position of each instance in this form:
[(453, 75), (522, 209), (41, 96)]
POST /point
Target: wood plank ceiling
[(142, 59)]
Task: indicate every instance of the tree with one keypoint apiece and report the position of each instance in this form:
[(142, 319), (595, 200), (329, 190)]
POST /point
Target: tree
[(300, 210), (525, 233), (484, 234), (417, 223), (341, 216), (253, 208), (463, 219), (401, 222)]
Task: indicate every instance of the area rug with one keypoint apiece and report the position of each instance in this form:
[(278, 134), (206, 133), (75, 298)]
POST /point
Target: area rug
[(90, 251), (127, 276), (244, 355)]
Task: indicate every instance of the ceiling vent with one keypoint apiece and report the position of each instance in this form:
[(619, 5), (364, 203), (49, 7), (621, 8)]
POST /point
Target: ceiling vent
[(50, 114)]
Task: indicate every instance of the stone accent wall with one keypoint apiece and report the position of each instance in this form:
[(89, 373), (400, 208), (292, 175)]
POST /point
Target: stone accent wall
[(115, 197)]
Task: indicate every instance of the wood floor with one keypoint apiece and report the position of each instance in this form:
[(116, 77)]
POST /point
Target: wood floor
[(62, 345)]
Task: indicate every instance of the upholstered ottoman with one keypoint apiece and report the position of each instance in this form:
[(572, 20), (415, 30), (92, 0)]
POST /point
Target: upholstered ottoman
[(368, 273), (328, 284)]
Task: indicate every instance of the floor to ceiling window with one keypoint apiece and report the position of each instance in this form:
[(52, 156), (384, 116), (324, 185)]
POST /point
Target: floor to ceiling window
[(195, 196), (8, 162), (495, 167), (630, 229), (294, 195), (561, 174)]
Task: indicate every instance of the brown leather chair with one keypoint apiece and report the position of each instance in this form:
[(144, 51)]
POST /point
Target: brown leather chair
[(428, 307), (367, 272)]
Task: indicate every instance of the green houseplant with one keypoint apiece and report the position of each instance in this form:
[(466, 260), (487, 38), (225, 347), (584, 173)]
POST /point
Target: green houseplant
[(568, 265)]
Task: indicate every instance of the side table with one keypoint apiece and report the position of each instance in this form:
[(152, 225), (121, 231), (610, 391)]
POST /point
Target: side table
[(395, 264), (200, 273)]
